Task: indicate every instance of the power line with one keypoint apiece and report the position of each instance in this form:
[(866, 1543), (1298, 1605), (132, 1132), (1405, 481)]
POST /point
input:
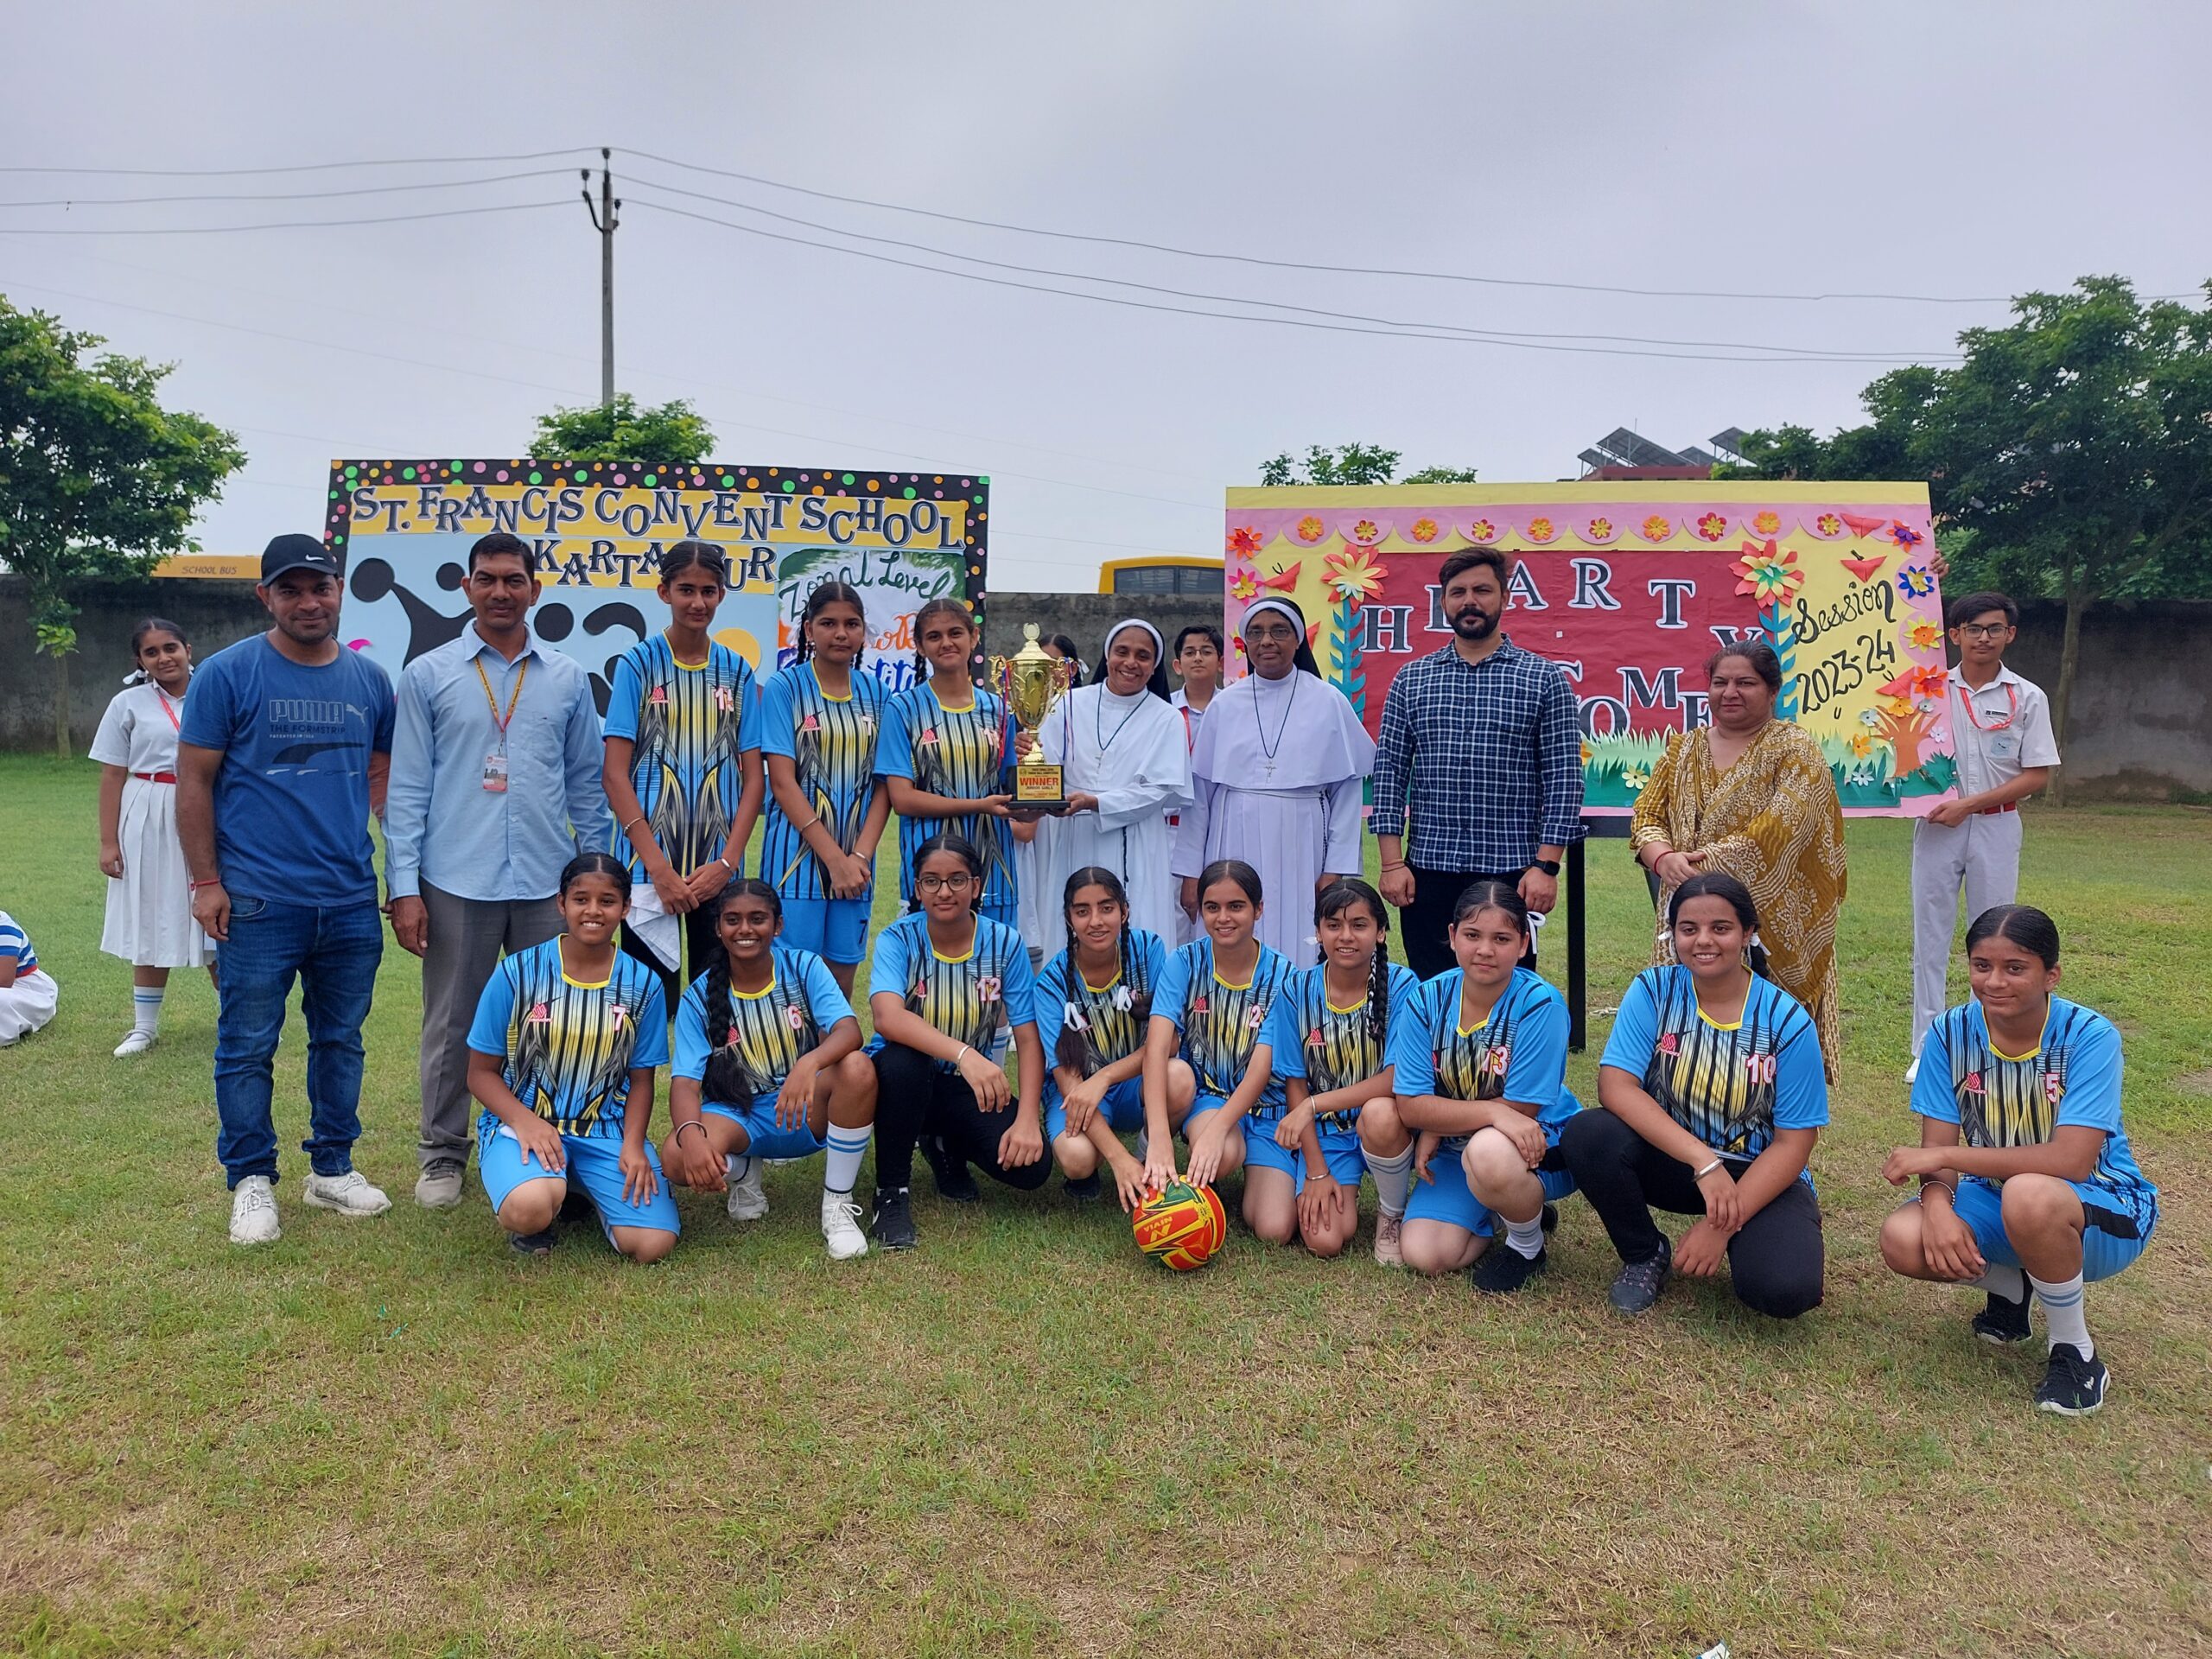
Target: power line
[(271, 225), (289, 195), (303, 167), (1811, 353)]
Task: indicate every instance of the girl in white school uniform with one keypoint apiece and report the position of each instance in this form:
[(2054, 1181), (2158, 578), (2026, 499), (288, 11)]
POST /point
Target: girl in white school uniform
[(27, 993), (148, 921)]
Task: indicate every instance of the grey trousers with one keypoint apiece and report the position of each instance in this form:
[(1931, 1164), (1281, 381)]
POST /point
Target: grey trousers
[(467, 936), (1982, 856)]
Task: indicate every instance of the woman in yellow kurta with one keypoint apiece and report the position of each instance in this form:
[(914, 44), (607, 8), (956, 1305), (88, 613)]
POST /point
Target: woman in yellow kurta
[(1753, 795)]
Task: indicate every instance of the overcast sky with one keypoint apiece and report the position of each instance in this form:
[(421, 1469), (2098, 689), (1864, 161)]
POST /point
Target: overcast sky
[(1939, 149)]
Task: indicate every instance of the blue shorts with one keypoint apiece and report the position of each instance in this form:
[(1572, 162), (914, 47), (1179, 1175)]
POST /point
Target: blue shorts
[(1980, 1205), (765, 1138), (1340, 1151), (834, 929), (1448, 1200), (1201, 1104), (1123, 1108), (595, 1164)]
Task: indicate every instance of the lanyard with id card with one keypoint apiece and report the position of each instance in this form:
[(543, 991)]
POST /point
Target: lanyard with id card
[(495, 761)]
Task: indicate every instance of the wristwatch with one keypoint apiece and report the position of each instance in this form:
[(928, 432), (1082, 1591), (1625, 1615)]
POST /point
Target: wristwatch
[(1548, 866)]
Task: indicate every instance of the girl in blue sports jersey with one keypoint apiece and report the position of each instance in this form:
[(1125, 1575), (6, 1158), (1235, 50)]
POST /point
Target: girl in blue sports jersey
[(2026, 1180), (1711, 1092), (1094, 1001), (1327, 1042), (683, 768), (950, 991), (561, 1055), (1481, 1075), (944, 755), (819, 721), (1207, 1013), (768, 1064)]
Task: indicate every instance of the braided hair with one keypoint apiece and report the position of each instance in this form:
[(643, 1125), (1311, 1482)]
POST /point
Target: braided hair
[(1075, 1050), (822, 595), (1719, 884), (727, 1082), (942, 604), (1342, 895)]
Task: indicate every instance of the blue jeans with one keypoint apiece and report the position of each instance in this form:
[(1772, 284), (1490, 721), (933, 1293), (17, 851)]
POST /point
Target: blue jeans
[(333, 953)]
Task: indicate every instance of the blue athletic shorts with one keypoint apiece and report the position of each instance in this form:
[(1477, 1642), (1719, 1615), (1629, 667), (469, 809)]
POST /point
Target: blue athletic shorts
[(595, 1164), (1340, 1151), (1447, 1198), (834, 929), (1200, 1105), (764, 1137), (1980, 1205), (1123, 1109)]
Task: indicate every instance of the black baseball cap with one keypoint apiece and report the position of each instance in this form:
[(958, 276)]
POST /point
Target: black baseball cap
[(297, 553)]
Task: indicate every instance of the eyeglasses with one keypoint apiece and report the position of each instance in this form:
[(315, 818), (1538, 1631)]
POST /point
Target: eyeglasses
[(1985, 630), (959, 883)]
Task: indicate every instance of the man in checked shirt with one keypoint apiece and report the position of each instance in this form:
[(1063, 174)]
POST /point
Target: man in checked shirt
[(1481, 748)]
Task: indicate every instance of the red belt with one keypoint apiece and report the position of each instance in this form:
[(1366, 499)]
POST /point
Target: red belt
[(156, 777), (1992, 811)]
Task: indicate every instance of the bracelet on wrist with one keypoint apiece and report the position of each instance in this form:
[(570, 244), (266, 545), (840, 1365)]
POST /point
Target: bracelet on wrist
[(698, 1123), (1706, 1170), (212, 881), (1939, 1185)]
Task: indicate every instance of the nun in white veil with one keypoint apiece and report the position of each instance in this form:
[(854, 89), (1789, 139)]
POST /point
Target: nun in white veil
[(1276, 775), (1126, 767)]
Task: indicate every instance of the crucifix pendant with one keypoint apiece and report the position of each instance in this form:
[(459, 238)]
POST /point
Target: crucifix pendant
[(1270, 765)]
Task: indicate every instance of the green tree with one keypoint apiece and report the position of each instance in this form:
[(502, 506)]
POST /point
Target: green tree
[(1354, 463), (1441, 475), (98, 481), (672, 434)]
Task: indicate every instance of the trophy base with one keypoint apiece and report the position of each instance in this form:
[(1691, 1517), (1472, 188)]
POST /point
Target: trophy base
[(1039, 789)]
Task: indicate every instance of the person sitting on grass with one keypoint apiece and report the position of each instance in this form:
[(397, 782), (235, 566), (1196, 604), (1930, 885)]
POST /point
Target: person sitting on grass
[(1481, 1074), (1712, 1092), (561, 1057), (1207, 1013), (2026, 1181), (1327, 1042), (949, 990), (1094, 1001), (768, 1064), (28, 993)]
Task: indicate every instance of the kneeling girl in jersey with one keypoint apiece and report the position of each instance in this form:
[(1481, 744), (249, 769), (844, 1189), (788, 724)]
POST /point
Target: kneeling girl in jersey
[(1094, 1001), (949, 990), (1712, 1092), (1327, 1042), (1207, 1014), (1481, 1075), (561, 1055), (2026, 1181), (768, 1064)]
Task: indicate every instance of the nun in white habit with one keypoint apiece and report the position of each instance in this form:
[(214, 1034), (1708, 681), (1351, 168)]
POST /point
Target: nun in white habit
[(1126, 767), (1277, 775)]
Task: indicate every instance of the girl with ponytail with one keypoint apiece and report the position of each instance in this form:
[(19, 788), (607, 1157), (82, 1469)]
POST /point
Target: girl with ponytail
[(1327, 1041), (1094, 1000), (768, 1065)]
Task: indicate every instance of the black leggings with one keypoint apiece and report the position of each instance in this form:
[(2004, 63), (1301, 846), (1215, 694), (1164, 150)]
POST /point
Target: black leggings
[(700, 945), (1774, 1259), (915, 1096)]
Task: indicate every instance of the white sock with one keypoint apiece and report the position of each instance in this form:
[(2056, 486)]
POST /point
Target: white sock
[(1392, 1176), (2009, 1283), (842, 1168), (736, 1166), (1526, 1238), (1144, 1143), (146, 1008), (2062, 1311)]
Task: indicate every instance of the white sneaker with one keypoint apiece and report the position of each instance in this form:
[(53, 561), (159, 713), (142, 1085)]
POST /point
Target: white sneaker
[(1911, 1072), (748, 1199), (349, 1194), (1387, 1229), (841, 1227), (137, 1043), (253, 1212)]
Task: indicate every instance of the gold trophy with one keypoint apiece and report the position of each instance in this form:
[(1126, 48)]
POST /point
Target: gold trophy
[(1033, 681)]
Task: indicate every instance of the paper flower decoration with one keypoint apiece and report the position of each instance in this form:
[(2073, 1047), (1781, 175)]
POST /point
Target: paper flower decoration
[(1482, 530), (1244, 587), (1244, 541), (1601, 529), (1770, 577), (1542, 530), (1927, 682), (1283, 581), (1926, 635), (1351, 576), (1712, 527), (1869, 717), (1655, 529), (1366, 530), (1310, 529), (1917, 581), (1898, 707), (1587, 753), (1905, 534), (1636, 780), (1861, 745), (1424, 530), (1828, 525), (1768, 523)]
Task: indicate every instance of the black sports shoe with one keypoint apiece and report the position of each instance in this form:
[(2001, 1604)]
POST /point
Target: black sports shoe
[(893, 1224), (1503, 1269), (1086, 1190), (2003, 1322), (577, 1207), (953, 1183), (537, 1246), (1638, 1283), (1550, 1217), (2074, 1385)]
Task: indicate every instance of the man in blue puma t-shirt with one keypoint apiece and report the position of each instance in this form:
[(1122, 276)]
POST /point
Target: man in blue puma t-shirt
[(282, 756)]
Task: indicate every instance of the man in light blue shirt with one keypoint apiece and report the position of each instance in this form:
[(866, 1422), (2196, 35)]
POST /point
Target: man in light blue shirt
[(495, 785)]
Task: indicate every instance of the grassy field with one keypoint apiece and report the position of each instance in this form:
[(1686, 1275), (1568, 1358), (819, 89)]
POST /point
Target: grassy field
[(395, 1437)]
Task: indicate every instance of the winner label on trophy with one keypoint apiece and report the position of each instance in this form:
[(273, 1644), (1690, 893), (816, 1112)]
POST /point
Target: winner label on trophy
[(1033, 681)]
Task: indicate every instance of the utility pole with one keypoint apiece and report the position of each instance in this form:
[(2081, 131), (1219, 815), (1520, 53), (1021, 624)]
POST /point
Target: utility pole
[(604, 221)]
